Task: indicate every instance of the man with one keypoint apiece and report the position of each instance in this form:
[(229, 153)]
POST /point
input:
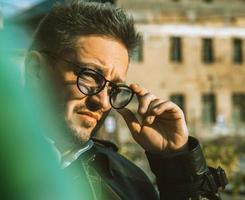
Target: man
[(81, 53)]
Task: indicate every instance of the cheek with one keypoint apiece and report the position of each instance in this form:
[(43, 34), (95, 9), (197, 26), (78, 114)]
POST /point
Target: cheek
[(71, 107), (74, 100), (72, 92)]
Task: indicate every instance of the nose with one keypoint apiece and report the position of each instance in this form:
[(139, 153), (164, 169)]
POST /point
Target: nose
[(99, 101)]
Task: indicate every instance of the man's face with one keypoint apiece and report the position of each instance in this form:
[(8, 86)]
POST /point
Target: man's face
[(105, 55)]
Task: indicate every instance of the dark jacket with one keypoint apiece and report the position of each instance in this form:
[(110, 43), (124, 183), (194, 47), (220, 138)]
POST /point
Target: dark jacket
[(180, 176)]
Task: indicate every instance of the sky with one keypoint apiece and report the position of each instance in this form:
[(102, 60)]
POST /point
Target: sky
[(10, 7)]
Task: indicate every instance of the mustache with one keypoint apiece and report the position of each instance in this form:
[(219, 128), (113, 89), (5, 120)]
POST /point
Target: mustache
[(80, 109)]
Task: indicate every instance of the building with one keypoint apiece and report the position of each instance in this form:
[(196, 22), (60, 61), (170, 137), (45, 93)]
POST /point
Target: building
[(192, 52)]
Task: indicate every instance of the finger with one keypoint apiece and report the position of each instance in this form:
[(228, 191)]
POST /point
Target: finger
[(139, 91), (143, 96), (149, 119), (144, 102), (154, 104), (157, 107), (169, 108), (131, 121), (150, 115)]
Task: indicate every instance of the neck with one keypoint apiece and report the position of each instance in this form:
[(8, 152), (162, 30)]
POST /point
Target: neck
[(64, 140)]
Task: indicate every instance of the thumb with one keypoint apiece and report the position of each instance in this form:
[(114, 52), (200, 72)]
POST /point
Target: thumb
[(131, 121)]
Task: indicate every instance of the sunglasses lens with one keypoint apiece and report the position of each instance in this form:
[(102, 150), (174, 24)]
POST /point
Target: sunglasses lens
[(90, 82), (120, 96)]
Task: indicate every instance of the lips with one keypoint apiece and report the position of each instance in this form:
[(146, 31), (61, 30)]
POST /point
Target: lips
[(93, 115)]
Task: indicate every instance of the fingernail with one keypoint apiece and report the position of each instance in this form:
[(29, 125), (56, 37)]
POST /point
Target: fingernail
[(136, 86), (149, 119), (142, 111), (155, 109)]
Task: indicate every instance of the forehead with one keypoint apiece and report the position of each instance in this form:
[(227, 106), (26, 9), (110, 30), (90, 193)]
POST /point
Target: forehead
[(108, 56)]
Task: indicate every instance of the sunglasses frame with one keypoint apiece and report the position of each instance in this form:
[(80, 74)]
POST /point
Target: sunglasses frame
[(113, 85)]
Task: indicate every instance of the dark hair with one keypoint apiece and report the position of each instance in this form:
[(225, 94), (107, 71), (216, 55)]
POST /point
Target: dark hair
[(61, 27)]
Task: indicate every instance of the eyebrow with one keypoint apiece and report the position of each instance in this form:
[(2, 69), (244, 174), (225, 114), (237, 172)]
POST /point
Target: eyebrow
[(97, 68), (77, 65)]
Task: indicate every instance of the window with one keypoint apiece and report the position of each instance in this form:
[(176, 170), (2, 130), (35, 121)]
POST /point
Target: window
[(207, 50), (138, 52), (179, 99), (208, 109), (107, 1), (238, 102), (237, 51), (175, 49)]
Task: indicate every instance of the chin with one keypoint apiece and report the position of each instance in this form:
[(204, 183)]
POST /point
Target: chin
[(81, 130), (81, 134), (82, 137)]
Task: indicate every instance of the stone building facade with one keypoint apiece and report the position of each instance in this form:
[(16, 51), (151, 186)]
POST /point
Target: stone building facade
[(192, 52)]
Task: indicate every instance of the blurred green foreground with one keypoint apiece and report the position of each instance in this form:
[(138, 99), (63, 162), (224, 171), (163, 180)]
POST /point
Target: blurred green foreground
[(28, 165)]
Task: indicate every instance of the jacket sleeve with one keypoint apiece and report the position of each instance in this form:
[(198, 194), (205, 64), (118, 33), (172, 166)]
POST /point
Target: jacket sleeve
[(182, 176)]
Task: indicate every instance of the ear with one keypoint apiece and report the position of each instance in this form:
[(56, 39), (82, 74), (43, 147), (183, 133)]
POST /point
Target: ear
[(33, 63)]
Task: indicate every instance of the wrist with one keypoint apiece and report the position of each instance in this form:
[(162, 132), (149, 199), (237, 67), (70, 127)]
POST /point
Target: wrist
[(180, 163), (174, 152)]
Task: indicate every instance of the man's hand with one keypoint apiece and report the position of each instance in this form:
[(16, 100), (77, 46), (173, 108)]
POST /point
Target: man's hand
[(163, 129)]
